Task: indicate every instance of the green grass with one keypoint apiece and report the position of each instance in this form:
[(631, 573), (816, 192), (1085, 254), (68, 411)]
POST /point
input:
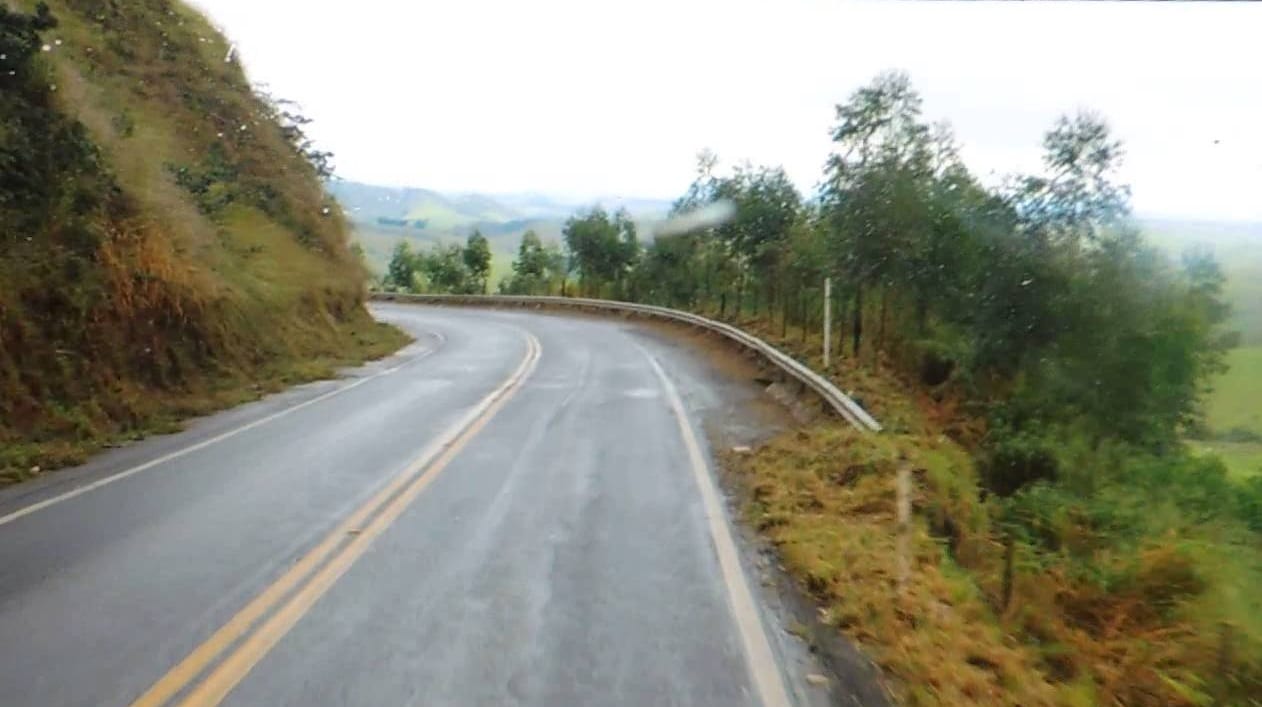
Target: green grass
[(1243, 459), (1235, 409), (1237, 399)]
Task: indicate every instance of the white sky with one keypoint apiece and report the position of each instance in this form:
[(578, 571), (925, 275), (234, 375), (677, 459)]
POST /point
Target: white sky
[(584, 98)]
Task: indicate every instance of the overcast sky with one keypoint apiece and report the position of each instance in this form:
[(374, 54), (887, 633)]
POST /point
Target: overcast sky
[(583, 98)]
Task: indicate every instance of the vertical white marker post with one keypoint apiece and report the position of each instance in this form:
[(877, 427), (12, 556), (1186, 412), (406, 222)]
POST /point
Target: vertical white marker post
[(828, 320)]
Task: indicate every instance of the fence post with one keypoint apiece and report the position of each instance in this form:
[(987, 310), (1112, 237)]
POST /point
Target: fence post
[(828, 320)]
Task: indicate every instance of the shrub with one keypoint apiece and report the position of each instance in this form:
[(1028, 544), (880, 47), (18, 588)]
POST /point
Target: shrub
[(1017, 461)]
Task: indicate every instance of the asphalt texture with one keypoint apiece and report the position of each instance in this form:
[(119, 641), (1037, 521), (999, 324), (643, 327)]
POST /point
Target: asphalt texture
[(562, 556)]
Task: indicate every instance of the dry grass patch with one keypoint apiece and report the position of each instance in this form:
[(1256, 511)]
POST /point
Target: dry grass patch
[(825, 497)]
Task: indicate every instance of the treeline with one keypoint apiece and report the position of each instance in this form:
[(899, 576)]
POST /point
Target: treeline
[(446, 267), (1037, 301)]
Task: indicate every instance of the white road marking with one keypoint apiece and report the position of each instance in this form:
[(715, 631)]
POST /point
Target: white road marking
[(312, 575), (759, 657), (87, 488)]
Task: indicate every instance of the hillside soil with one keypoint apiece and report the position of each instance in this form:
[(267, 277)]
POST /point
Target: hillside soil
[(166, 243)]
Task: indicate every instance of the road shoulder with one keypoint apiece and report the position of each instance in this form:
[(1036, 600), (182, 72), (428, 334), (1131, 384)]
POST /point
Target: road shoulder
[(726, 393)]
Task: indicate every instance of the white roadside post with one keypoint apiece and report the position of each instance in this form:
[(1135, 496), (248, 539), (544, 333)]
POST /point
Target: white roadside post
[(828, 320), (902, 482)]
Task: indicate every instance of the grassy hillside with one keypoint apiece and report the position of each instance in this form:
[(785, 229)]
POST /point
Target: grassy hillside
[(382, 216), (425, 210), (1237, 400), (167, 247), (368, 202)]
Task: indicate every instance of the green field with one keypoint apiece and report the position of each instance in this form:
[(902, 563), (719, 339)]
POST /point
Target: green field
[(1234, 411)]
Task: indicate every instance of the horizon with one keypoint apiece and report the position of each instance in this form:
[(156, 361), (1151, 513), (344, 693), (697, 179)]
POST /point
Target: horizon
[(596, 200)]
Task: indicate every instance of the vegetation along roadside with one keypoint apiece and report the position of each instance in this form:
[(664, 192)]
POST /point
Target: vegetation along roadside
[(1039, 369)]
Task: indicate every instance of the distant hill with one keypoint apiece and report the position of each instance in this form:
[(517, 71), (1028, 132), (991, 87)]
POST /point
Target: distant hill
[(443, 210), (544, 206), (1238, 249), (382, 215)]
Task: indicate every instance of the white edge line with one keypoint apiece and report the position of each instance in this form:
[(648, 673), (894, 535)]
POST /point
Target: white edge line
[(87, 488), (759, 657)]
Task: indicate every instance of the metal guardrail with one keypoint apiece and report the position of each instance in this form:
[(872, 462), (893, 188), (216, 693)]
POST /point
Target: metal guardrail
[(833, 398)]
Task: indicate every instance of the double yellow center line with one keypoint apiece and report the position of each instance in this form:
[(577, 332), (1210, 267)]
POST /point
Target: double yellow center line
[(254, 630)]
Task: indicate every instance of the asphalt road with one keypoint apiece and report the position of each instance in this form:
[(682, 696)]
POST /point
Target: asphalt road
[(519, 509)]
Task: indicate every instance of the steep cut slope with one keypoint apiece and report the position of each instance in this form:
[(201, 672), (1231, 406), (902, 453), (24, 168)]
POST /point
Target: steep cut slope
[(166, 245)]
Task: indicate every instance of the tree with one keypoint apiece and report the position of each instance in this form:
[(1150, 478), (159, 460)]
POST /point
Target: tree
[(767, 206), (477, 259), (530, 261), (539, 269), (873, 186), (530, 267), (556, 268), (19, 34), (603, 248), (745, 252), (401, 271), (668, 274), (288, 115), (445, 271), (626, 254), (1078, 199)]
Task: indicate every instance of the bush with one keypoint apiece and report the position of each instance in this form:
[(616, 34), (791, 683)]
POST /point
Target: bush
[(1248, 503), (1017, 461)]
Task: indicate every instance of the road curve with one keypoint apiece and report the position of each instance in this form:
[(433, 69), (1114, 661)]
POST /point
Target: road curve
[(517, 509)]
